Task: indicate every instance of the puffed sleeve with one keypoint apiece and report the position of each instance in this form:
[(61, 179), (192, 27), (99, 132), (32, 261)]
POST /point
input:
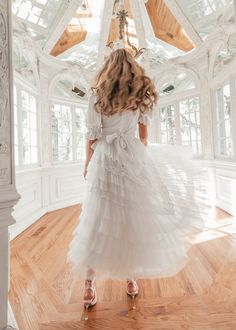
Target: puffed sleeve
[(93, 121), (145, 118)]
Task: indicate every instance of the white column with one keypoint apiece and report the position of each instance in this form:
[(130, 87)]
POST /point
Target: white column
[(105, 26), (8, 194)]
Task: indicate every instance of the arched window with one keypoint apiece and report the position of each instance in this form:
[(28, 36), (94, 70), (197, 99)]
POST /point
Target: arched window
[(179, 111)]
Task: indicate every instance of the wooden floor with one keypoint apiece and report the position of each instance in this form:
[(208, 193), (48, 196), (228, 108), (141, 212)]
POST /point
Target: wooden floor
[(45, 294)]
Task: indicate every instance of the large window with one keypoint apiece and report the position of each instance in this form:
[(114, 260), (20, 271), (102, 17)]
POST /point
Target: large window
[(224, 121), (25, 125), (167, 120), (190, 123), (180, 123), (68, 132)]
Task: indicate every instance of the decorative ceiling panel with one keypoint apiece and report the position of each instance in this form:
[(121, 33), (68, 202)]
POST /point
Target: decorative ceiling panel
[(203, 14), (166, 27)]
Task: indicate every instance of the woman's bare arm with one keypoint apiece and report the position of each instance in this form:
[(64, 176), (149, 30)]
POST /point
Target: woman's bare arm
[(143, 133), (89, 153)]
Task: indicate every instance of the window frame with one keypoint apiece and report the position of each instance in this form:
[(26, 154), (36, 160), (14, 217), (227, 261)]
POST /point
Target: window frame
[(31, 91), (73, 105), (231, 80), (175, 101)]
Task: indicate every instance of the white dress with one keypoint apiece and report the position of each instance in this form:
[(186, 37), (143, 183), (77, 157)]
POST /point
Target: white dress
[(141, 203)]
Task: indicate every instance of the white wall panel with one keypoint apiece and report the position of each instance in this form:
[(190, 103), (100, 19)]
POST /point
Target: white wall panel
[(226, 189), (44, 190)]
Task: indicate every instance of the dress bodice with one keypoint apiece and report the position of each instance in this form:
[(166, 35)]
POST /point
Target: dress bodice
[(99, 125), (122, 123)]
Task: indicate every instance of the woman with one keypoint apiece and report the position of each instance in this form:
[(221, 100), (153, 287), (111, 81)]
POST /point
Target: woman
[(141, 203)]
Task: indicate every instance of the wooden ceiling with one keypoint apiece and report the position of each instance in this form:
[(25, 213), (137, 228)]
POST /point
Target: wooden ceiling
[(164, 24), (166, 27), (74, 33)]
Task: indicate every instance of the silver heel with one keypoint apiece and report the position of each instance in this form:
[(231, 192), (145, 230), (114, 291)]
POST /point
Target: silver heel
[(90, 284), (133, 302), (86, 312)]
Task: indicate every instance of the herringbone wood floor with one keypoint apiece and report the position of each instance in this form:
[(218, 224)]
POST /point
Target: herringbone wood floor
[(46, 295)]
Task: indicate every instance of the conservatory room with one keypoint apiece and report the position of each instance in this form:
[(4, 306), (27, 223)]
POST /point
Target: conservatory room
[(117, 164)]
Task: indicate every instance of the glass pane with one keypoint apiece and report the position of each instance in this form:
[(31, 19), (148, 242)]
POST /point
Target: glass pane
[(66, 154), (227, 129), (26, 136), (66, 140), (194, 104), (226, 94), (163, 137), (32, 104), (80, 153), (26, 154), (33, 120), (223, 115), (34, 155), (229, 147), (25, 119), (25, 100), (55, 140), (185, 134), (183, 107), (33, 138), (55, 154)]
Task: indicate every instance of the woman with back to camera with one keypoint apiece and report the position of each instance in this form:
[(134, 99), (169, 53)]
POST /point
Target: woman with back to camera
[(142, 202)]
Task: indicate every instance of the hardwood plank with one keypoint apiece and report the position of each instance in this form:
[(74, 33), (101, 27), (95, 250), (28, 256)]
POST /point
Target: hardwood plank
[(46, 294)]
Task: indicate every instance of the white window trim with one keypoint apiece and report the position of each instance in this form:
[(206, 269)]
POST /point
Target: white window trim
[(232, 84), (72, 105), (175, 101), (31, 91)]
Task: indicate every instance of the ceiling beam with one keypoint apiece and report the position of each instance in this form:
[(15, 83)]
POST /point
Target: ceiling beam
[(61, 22), (138, 21), (105, 27), (180, 16)]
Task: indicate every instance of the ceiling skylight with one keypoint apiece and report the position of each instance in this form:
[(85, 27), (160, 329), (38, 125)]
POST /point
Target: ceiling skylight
[(203, 14), (38, 15)]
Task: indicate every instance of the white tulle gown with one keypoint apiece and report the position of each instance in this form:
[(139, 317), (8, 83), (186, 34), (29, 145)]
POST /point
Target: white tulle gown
[(141, 203)]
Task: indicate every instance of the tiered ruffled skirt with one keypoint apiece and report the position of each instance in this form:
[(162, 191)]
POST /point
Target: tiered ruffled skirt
[(141, 206)]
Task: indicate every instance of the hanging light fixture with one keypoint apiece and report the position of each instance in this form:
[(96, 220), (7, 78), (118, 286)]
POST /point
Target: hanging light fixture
[(122, 15)]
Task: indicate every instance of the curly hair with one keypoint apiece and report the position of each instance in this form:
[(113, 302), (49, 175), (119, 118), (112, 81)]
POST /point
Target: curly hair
[(122, 85)]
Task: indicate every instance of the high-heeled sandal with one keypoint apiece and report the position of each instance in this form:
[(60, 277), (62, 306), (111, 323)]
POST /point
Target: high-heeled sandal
[(132, 292), (135, 289), (90, 286)]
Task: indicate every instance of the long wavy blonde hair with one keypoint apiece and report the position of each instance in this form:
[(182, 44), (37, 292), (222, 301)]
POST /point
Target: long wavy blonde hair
[(122, 85)]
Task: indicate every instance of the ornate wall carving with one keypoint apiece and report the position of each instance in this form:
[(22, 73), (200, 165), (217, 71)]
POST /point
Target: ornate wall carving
[(5, 131)]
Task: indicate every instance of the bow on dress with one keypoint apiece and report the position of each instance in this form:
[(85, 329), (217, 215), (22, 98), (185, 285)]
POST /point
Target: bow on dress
[(122, 140)]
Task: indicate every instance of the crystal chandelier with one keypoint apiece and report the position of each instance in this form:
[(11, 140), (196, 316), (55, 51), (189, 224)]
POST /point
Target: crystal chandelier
[(121, 14)]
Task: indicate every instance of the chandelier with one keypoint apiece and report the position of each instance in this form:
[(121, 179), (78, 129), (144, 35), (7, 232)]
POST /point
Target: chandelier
[(121, 14)]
